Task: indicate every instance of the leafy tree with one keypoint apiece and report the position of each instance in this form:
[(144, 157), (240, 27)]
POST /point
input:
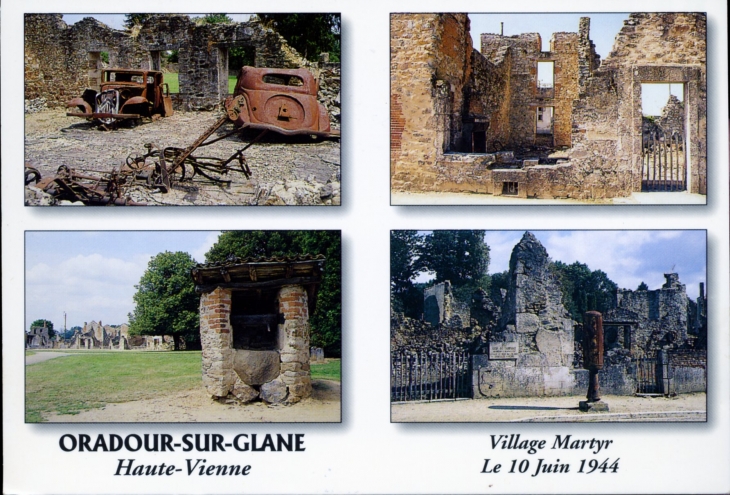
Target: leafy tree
[(173, 56), (583, 289), (70, 332), (130, 20), (642, 286), (497, 282), (405, 252), (460, 256), (216, 19), (238, 56), (309, 34), (48, 325), (326, 321), (165, 301)]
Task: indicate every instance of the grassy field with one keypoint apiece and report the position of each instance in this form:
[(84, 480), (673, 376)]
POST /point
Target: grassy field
[(171, 79), (68, 385), (88, 379), (327, 371)]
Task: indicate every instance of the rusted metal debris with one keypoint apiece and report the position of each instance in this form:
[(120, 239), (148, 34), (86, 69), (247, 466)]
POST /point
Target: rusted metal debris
[(124, 94), (280, 100), (72, 185), (157, 168)]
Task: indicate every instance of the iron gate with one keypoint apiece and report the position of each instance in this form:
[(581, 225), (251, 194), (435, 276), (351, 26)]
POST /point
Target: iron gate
[(654, 375), (647, 381), (425, 375), (663, 161)]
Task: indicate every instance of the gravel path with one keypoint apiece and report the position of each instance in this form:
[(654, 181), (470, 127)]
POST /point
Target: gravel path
[(684, 407), (196, 406), (285, 170), (39, 357)]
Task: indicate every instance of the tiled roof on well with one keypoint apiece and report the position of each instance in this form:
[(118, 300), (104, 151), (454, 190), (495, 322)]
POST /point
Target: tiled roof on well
[(235, 260)]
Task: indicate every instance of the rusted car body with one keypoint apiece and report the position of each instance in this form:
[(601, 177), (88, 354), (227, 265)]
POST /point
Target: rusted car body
[(280, 100), (125, 94)]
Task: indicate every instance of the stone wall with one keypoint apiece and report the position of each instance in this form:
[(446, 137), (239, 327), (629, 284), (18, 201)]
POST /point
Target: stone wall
[(672, 117), (651, 47), (62, 60), (524, 50), (534, 318), (661, 316), (442, 90), (430, 63)]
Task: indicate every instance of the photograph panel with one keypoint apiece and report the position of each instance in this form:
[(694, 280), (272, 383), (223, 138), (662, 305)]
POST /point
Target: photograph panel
[(548, 108), (182, 109), (503, 326), (183, 326)]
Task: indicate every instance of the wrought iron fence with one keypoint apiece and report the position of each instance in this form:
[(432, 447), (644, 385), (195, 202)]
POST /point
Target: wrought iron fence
[(427, 375)]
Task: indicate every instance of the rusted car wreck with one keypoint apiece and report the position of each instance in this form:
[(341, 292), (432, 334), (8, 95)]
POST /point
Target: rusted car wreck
[(124, 94), (279, 100)]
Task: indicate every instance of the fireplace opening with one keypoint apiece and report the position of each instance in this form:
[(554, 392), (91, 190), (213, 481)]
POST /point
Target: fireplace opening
[(254, 319)]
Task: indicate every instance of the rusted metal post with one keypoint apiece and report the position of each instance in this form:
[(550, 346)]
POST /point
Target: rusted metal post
[(593, 360)]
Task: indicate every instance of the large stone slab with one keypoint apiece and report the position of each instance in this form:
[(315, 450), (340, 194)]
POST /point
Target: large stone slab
[(256, 367)]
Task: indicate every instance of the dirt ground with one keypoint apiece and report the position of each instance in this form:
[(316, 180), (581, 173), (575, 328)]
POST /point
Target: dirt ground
[(195, 405), (294, 170), (684, 407)]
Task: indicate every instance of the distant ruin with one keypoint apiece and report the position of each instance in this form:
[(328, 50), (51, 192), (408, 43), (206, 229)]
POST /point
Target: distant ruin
[(480, 121), (97, 336), (655, 341)]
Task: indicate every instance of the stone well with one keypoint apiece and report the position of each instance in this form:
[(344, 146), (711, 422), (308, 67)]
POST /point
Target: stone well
[(254, 326)]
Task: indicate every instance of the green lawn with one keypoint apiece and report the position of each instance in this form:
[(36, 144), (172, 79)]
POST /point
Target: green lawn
[(327, 371), (171, 79), (88, 380), (68, 385)]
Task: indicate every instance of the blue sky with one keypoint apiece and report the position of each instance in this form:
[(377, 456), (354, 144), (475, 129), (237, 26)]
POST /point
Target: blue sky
[(91, 275), (627, 256)]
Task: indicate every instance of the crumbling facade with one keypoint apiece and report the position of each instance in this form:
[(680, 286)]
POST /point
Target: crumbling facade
[(95, 335), (526, 344), (61, 60), (531, 351), (464, 120), (38, 338), (254, 327)]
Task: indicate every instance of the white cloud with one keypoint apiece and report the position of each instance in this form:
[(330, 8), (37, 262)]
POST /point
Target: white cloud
[(91, 287), (199, 253)]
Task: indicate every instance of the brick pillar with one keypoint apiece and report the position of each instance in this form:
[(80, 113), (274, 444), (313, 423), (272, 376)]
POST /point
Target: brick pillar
[(294, 342), (216, 340)]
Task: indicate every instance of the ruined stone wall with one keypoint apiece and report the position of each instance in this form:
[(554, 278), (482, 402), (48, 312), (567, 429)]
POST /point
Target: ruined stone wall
[(564, 49), (662, 316), (46, 75), (534, 318), (525, 49), (672, 117), (430, 64), (489, 95), (588, 59), (651, 47), (203, 54)]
